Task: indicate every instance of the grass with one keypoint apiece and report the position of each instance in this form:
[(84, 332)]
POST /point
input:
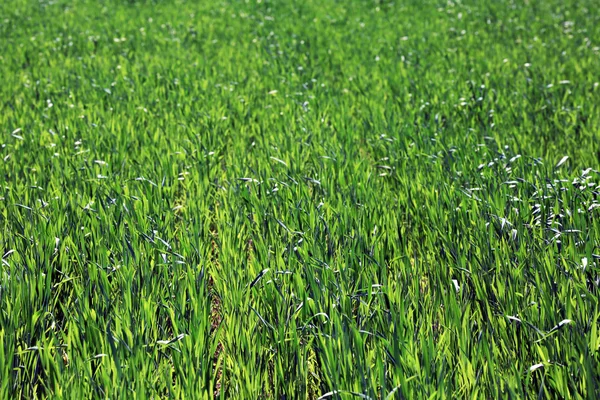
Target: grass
[(316, 199)]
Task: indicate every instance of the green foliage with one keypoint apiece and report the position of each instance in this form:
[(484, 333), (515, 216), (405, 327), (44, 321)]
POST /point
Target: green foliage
[(311, 199)]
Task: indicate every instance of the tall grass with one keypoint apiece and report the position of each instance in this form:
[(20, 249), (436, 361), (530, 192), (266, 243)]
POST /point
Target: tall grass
[(317, 199)]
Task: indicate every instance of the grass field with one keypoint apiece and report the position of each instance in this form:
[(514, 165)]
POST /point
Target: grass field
[(299, 199)]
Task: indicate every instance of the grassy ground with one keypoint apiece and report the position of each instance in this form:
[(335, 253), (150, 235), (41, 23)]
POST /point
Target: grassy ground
[(299, 199)]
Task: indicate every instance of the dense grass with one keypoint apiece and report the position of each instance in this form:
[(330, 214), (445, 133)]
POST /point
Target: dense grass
[(281, 199)]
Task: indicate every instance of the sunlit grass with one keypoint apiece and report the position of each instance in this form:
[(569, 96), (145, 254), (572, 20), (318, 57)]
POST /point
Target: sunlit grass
[(317, 199)]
